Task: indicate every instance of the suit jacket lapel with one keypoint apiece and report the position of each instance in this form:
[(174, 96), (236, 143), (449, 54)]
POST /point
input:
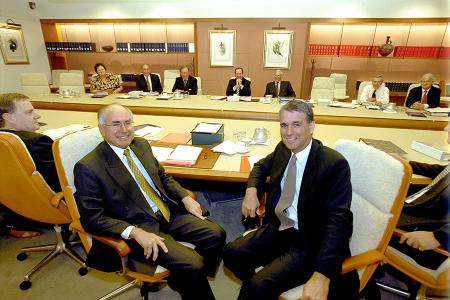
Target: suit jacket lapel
[(120, 174), (308, 175)]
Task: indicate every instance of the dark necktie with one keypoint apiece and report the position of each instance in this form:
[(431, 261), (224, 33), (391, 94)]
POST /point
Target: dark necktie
[(278, 88), (373, 94), (438, 178), (185, 83), (425, 97), (238, 89), (163, 208), (287, 195)]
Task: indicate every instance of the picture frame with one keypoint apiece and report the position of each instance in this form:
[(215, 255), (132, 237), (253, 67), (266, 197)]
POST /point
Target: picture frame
[(278, 48), (222, 48), (12, 45)]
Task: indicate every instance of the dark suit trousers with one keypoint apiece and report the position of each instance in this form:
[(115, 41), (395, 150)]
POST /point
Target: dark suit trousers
[(286, 265), (188, 267)]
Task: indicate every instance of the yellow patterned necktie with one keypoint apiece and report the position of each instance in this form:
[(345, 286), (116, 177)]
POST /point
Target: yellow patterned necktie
[(147, 187)]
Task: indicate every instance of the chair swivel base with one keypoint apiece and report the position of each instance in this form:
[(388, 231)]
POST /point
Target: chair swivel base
[(145, 288), (59, 247)]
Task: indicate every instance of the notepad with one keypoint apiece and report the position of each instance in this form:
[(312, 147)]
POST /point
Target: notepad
[(386, 146), (57, 133), (177, 138)]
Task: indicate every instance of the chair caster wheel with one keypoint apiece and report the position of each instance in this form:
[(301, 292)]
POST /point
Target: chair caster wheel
[(22, 256), (25, 285), (82, 271)]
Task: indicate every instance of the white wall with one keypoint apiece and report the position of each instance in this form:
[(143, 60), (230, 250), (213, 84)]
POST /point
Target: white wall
[(10, 74), (19, 11)]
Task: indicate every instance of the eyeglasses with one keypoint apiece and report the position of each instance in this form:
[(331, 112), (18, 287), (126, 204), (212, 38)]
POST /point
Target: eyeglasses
[(117, 125)]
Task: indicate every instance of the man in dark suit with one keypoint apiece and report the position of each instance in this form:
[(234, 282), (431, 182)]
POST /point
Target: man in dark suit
[(186, 82), (425, 95), (148, 82), (426, 216), (122, 191), (307, 222), (239, 85), (18, 116), (279, 88)]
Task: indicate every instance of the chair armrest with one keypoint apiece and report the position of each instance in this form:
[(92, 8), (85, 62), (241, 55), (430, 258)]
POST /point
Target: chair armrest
[(56, 199), (361, 260), (399, 233), (119, 245), (192, 194)]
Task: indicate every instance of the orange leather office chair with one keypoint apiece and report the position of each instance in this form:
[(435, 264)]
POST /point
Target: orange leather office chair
[(24, 191), (379, 190), (437, 279), (67, 152)]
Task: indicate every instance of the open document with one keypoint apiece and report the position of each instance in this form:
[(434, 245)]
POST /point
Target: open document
[(207, 127), (57, 133), (184, 155)]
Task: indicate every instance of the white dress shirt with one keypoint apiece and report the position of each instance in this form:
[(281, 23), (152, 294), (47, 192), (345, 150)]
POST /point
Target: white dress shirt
[(302, 157), (149, 82), (120, 153), (382, 94)]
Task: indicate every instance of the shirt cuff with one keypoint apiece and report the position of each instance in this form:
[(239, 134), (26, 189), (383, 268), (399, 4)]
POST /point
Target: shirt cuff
[(126, 233), (426, 105)]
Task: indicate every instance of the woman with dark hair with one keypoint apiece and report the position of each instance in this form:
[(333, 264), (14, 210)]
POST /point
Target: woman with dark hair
[(104, 82)]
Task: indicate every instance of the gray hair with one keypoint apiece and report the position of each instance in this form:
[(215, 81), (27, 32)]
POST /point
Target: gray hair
[(101, 114), (299, 106)]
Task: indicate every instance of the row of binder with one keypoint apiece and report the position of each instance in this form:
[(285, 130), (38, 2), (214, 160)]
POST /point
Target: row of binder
[(70, 46), (153, 47), (365, 50)]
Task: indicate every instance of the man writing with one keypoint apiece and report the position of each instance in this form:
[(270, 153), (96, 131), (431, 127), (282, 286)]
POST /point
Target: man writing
[(307, 222), (278, 87), (425, 95), (376, 92), (148, 82), (17, 115), (122, 190), (239, 85)]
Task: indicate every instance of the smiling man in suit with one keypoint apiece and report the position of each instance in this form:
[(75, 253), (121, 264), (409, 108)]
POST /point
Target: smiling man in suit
[(307, 221), (147, 81), (122, 191), (424, 96), (278, 87), (186, 82), (239, 85)]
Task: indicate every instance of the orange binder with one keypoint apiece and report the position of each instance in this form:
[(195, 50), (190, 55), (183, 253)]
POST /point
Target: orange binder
[(177, 138)]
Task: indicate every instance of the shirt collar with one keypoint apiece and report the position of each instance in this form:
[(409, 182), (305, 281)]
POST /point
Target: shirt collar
[(302, 156), (118, 151)]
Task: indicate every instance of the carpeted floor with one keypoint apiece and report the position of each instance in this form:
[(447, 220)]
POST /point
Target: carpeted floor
[(60, 279)]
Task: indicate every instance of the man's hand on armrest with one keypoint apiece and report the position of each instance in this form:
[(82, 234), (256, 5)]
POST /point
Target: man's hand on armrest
[(149, 241), (422, 240), (250, 203), (316, 288)]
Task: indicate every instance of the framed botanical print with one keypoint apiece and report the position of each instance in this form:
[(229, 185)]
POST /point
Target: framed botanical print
[(222, 48), (278, 49), (12, 45)]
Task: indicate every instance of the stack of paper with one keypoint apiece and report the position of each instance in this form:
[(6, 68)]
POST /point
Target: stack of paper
[(438, 111), (207, 127), (438, 152), (57, 133), (161, 153), (148, 130), (184, 155)]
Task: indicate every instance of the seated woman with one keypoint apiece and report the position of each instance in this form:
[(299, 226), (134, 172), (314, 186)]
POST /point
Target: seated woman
[(104, 82)]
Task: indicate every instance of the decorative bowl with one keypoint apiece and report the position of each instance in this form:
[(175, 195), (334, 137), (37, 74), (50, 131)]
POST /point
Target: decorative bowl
[(108, 48)]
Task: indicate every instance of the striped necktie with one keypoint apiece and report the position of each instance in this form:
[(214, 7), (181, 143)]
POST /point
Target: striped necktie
[(287, 195), (437, 179), (164, 209)]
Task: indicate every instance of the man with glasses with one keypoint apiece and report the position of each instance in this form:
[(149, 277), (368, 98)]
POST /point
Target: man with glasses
[(424, 96), (376, 93), (278, 87), (122, 191)]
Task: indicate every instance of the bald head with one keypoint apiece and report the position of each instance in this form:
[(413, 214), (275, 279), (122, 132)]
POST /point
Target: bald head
[(145, 70), (278, 75), (427, 81)]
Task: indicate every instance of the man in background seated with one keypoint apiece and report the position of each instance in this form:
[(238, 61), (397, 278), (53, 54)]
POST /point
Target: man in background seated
[(427, 217), (239, 85), (122, 191), (377, 93), (148, 82), (307, 221), (186, 82), (18, 116), (279, 88), (424, 96)]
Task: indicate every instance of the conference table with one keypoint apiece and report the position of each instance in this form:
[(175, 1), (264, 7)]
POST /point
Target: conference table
[(204, 106), (228, 167)]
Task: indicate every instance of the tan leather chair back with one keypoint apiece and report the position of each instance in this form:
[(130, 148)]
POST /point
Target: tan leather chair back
[(23, 189)]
